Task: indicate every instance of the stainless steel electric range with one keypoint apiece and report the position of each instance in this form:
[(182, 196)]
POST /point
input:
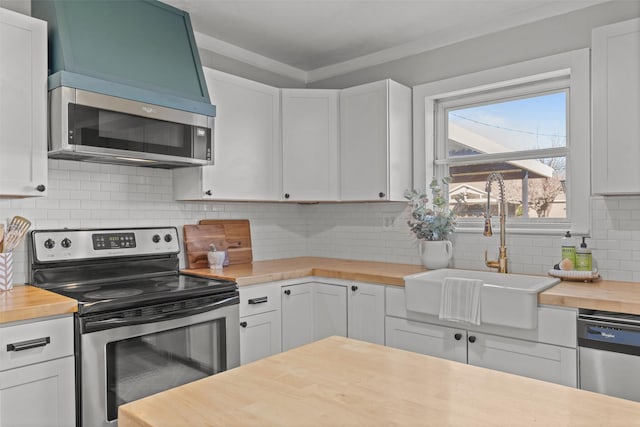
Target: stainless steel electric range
[(141, 326)]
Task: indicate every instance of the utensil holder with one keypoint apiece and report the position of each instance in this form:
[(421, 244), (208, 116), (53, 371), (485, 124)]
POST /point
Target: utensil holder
[(6, 271)]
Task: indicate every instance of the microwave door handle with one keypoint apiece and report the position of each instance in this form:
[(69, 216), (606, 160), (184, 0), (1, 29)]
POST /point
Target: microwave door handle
[(116, 322)]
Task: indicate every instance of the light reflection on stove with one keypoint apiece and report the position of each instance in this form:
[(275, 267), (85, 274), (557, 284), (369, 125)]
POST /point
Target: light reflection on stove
[(113, 293)]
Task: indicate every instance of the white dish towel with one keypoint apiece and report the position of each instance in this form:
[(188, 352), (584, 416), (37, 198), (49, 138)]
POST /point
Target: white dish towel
[(460, 300)]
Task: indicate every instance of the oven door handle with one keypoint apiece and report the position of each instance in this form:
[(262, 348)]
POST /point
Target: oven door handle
[(98, 325)]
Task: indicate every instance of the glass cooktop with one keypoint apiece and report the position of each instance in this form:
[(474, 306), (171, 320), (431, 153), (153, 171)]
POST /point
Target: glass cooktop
[(121, 294)]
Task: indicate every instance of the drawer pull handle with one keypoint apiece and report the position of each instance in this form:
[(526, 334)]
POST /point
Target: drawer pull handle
[(259, 300), (26, 345)]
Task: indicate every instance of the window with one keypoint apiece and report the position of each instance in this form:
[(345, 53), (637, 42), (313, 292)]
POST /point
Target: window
[(520, 133), (530, 122)]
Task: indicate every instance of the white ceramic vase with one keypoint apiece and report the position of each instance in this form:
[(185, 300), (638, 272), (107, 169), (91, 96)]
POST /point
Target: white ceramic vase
[(436, 254)]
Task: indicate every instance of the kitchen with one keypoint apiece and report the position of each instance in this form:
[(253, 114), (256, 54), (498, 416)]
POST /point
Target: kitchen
[(83, 194)]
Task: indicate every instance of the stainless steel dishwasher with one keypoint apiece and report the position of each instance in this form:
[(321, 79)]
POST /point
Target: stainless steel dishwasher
[(609, 350)]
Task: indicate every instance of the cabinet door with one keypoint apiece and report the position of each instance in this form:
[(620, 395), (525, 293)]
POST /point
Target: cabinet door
[(363, 142), (260, 336), (530, 359), (297, 315), (616, 103), (330, 310), (23, 108), (38, 395), (310, 144), (434, 340), (246, 140), (366, 312)]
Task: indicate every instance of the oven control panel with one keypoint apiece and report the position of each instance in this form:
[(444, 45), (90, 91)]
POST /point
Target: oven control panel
[(62, 245), (106, 241)]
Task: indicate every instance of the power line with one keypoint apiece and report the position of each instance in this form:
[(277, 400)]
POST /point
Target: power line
[(507, 129)]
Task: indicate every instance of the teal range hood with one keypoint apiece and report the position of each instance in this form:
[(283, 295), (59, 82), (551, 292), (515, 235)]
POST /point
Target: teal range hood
[(141, 50)]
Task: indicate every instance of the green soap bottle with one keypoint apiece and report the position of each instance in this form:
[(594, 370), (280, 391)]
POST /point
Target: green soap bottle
[(568, 248), (584, 260)]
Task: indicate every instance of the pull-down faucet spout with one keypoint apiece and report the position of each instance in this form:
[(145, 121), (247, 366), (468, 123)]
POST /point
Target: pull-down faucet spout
[(501, 263)]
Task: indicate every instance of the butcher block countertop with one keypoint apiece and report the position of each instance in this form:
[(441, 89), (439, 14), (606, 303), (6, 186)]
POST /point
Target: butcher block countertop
[(293, 268), (609, 295), (601, 295), (28, 302), (342, 382)]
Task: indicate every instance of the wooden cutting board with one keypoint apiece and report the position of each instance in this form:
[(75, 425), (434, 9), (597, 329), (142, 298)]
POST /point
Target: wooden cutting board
[(232, 235)]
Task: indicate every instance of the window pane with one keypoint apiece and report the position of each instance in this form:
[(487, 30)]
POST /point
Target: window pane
[(543, 180), (515, 125)]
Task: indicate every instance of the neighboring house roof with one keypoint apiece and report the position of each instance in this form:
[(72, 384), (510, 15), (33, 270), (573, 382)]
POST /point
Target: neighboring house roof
[(471, 143)]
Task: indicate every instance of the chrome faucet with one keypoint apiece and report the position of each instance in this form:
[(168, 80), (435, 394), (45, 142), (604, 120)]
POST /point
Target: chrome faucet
[(501, 263)]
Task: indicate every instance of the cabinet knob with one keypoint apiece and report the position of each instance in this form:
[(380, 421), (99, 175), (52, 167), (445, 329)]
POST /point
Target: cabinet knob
[(458, 336), (243, 324), (472, 339), (287, 292), (287, 195), (208, 192), (381, 194), (354, 288), (41, 188)]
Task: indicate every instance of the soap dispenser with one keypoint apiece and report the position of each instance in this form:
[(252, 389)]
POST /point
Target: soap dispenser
[(584, 261), (569, 249)]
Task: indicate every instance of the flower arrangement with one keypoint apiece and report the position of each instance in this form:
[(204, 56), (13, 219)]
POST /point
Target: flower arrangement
[(433, 222)]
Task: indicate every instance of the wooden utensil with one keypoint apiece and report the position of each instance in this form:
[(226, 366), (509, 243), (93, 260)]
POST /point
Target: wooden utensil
[(15, 233), (1, 237)]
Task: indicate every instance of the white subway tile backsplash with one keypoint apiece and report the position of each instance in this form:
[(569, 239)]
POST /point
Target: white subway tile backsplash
[(85, 195)]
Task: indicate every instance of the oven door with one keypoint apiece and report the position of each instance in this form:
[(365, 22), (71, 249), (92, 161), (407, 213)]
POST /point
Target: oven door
[(126, 363)]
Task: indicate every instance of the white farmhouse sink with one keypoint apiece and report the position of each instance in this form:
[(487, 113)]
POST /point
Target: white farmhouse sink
[(505, 299)]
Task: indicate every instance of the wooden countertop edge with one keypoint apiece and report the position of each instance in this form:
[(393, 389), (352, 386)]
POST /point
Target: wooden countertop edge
[(25, 302)]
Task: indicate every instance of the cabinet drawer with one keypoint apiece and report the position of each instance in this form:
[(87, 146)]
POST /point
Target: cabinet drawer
[(259, 299), (35, 342)]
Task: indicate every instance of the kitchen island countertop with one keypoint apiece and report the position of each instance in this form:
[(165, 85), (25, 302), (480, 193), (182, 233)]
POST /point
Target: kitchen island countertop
[(339, 381)]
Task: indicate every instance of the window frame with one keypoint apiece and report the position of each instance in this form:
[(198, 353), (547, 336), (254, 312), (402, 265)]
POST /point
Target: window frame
[(573, 68)]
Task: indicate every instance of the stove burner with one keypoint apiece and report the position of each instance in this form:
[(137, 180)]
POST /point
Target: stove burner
[(113, 293)]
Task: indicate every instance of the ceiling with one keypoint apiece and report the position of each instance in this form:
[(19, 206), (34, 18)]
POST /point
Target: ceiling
[(307, 36)]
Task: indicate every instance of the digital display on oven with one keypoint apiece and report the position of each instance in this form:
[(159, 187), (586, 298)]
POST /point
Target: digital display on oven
[(113, 241)]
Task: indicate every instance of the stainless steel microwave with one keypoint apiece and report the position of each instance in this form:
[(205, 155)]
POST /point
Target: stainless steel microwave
[(101, 128)]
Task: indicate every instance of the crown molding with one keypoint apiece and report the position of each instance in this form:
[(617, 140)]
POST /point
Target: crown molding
[(248, 57)]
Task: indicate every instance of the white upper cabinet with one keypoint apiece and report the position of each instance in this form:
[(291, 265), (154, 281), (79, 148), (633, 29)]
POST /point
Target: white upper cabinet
[(616, 107), (247, 156), (310, 144), (23, 105), (375, 142)]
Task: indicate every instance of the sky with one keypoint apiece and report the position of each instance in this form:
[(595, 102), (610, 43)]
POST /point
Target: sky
[(521, 124)]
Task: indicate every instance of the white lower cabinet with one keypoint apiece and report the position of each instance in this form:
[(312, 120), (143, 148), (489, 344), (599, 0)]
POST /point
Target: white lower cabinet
[(424, 338), (37, 374), (545, 362), (366, 312), (260, 324), (312, 311), (259, 336), (546, 353), (297, 315)]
